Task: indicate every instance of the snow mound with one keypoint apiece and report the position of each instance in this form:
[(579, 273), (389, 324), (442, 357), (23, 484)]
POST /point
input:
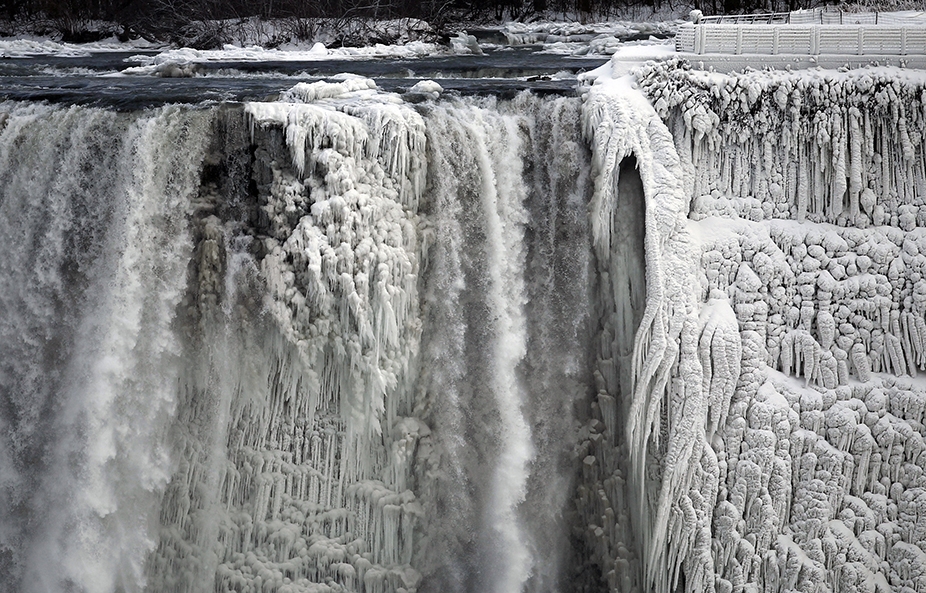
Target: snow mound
[(35, 46)]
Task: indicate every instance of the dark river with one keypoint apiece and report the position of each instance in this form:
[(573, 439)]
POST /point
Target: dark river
[(96, 79)]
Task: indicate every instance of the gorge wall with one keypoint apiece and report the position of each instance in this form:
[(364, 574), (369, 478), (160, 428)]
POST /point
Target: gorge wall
[(664, 336)]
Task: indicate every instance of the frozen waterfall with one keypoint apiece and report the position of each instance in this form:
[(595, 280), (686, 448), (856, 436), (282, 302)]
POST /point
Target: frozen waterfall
[(665, 336)]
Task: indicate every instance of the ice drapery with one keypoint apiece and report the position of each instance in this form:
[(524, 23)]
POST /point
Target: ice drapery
[(652, 403)]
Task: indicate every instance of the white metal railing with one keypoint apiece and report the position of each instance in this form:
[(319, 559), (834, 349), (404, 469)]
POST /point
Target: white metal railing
[(801, 39), (816, 16), (743, 19)]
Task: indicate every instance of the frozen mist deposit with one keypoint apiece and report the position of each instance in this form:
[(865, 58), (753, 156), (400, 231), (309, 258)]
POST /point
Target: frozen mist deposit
[(662, 336)]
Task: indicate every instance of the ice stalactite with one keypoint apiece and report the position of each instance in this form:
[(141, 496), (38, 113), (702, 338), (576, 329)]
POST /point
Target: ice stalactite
[(655, 410), (90, 352), (343, 240), (844, 148)]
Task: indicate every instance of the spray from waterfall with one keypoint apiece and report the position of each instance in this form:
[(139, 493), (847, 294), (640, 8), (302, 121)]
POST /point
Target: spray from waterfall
[(90, 353)]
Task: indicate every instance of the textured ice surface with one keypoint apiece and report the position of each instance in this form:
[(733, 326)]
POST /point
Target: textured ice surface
[(786, 452)]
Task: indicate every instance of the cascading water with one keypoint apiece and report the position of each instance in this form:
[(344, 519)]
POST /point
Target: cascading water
[(239, 384), (95, 208), (503, 389)]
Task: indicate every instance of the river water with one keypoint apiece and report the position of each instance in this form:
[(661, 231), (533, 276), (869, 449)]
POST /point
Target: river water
[(96, 79)]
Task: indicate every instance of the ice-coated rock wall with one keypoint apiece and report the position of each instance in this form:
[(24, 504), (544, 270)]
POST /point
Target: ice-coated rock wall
[(787, 452)]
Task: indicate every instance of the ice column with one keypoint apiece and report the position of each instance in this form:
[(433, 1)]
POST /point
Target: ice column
[(658, 424)]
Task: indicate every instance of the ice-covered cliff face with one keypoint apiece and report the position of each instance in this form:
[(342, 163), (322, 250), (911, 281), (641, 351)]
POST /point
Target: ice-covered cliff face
[(661, 337), (796, 353)]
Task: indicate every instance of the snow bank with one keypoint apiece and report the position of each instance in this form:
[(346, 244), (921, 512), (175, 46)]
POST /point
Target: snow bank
[(551, 32), (37, 46)]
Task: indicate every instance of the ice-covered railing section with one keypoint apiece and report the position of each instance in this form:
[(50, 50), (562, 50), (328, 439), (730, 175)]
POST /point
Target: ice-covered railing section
[(658, 406), (318, 480), (797, 39), (845, 147)]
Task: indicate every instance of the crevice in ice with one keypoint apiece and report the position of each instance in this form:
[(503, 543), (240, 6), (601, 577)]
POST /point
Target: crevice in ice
[(619, 122)]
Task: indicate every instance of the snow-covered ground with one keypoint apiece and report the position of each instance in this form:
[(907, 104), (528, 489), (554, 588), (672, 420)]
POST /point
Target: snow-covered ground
[(173, 58), (23, 47)]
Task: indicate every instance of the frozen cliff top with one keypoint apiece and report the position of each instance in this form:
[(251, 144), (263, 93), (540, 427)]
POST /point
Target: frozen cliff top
[(802, 338)]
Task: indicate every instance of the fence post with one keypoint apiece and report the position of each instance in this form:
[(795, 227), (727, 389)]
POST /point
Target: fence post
[(739, 40), (815, 41), (861, 40), (903, 41), (775, 42)]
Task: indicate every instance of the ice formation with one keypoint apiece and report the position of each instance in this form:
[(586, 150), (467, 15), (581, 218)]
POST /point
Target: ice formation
[(787, 452), (662, 337), (315, 485)]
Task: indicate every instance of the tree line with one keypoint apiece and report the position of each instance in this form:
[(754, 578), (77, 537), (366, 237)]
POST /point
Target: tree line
[(161, 17)]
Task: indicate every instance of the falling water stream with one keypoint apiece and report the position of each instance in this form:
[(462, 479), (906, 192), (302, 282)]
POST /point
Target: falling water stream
[(185, 409)]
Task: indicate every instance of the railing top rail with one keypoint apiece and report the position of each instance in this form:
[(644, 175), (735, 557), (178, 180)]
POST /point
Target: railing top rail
[(735, 19), (815, 16)]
